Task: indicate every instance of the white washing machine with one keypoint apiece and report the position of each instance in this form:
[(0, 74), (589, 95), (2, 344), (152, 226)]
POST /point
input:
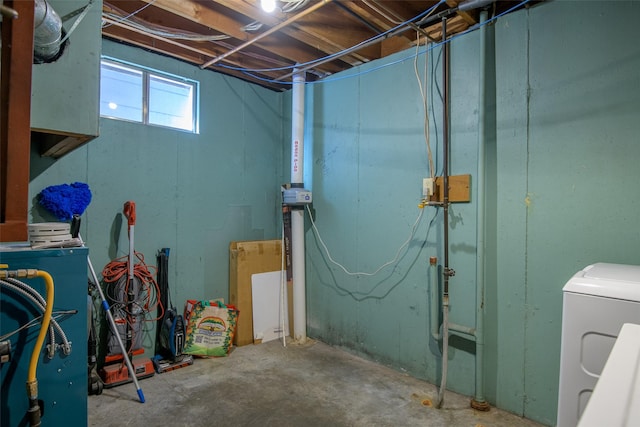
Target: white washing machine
[(615, 401), (597, 301)]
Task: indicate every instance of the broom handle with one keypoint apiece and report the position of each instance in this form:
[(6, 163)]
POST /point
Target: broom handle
[(129, 211), (114, 329), (75, 225)]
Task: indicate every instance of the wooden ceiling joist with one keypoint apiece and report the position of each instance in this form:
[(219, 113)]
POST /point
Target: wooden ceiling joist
[(304, 33), (321, 37), (268, 32)]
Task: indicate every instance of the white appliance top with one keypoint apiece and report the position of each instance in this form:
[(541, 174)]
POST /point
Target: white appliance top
[(618, 281)]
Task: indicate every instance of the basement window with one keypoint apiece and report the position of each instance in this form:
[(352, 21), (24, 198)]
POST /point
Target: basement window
[(138, 94)]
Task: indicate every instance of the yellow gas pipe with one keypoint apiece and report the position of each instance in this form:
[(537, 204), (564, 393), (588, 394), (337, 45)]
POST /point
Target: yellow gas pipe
[(32, 381)]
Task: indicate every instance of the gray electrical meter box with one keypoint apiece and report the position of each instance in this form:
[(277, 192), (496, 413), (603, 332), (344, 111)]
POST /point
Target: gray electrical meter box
[(296, 196)]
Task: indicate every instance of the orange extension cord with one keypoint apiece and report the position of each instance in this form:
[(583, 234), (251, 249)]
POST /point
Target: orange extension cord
[(118, 268)]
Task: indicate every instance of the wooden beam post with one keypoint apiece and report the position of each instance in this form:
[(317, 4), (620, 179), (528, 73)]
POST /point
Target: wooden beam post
[(15, 119)]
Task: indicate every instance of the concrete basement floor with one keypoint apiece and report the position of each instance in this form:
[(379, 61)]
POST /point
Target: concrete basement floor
[(298, 385)]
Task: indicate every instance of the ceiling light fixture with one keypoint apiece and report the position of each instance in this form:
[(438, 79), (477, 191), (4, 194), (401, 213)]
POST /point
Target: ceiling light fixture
[(268, 5)]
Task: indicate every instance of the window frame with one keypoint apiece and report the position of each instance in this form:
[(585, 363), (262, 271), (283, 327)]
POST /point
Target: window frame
[(147, 73)]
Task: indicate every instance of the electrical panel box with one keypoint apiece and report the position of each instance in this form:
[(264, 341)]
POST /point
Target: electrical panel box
[(296, 196)]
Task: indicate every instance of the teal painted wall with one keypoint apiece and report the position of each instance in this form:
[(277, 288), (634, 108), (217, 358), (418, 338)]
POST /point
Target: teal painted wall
[(584, 100), (563, 97), (193, 193)]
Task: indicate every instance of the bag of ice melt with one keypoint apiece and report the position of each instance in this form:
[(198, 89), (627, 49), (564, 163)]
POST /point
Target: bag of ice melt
[(210, 329)]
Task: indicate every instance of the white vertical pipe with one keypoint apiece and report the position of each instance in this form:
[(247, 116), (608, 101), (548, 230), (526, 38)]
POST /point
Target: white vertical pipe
[(478, 401), (297, 129), (297, 259), (297, 215)]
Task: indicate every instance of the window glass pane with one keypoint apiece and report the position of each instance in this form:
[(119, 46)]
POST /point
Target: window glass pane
[(170, 103), (120, 92)]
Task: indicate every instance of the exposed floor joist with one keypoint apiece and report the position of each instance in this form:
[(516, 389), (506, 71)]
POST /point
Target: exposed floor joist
[(248, 43)]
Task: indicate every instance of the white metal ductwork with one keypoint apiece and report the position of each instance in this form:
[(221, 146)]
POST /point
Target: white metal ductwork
[(47, 35)]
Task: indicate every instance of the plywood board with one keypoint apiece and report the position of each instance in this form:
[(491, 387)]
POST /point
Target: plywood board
[(459, 189)]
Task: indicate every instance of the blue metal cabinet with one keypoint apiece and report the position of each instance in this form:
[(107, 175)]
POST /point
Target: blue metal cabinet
[(62, 381)]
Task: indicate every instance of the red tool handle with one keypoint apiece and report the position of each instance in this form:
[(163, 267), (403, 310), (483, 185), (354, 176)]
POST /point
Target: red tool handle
[(130, 212)]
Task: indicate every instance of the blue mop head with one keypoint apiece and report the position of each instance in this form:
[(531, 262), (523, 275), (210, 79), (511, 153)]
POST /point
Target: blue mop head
[(65, 200)]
